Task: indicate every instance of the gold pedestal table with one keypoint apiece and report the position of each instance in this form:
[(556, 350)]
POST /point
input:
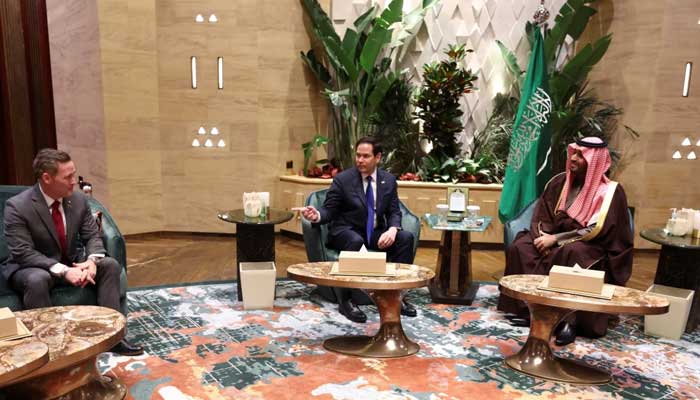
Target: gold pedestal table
[(75, 336), (548, 308), (390, 341)]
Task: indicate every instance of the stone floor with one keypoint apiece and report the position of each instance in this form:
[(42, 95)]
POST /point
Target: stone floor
[(172, 258)]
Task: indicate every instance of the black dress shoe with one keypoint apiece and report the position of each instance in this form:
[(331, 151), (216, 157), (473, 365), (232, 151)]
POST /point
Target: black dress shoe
[(352, 312), (565, 333), (407, 309), (125, 348)]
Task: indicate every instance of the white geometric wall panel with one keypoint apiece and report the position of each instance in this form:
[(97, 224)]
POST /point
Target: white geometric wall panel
[(476, 23)]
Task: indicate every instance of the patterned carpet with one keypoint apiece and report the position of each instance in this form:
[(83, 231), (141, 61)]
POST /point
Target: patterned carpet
[(202, 345)]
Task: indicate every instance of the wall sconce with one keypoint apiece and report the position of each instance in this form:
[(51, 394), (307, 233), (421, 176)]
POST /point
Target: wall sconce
[(193, 70), (697, 143), (686, 80), (201, 131), (221, 143), (686, 142), (691, 156), (199, 18), (195, 143), (677, 155), (220, 70), (213, 19), (214, 131), (208, 143)]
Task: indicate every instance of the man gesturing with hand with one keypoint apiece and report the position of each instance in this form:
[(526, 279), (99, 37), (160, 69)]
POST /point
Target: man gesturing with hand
[(362, 208)]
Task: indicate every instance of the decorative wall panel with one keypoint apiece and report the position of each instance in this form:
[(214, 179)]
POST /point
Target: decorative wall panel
[(476, 23)]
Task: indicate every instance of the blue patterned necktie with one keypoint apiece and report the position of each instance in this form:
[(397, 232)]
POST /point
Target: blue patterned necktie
[(369, 196)]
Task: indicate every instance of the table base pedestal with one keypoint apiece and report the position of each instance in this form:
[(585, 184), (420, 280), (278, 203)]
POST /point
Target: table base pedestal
[(453, 281), (537, 359), (389, 342)]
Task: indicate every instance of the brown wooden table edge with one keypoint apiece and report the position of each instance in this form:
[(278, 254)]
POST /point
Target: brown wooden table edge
[(16, 374), (574, 305)]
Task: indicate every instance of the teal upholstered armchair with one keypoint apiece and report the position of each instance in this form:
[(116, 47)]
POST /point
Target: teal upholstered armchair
[(66, 294), (316, 236)]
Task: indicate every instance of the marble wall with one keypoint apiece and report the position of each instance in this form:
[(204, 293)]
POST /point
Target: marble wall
[(643, 73), (77, 87)]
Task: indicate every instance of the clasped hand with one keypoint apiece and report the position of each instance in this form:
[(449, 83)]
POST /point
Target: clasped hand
[(544, 243), (81, 274)]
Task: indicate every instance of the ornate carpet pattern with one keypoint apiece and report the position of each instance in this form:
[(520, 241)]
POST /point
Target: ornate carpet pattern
[(201, 344)]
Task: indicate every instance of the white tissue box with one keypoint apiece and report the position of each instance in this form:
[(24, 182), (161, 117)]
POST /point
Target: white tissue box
[(356, 262), (576, 279)]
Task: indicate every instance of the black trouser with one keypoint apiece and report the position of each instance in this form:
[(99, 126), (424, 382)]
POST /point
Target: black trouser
[(399, 252), (34, 285)]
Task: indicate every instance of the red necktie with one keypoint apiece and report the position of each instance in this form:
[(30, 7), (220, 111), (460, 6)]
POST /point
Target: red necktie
[(60, 229)]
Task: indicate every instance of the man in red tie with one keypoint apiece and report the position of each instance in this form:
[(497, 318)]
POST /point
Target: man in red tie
[(42, 225)]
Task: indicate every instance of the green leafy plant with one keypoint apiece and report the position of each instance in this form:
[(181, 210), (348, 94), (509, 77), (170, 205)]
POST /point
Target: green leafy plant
[(576, 112), (438, 106), (309, 148), (393, 125), (356, 71)]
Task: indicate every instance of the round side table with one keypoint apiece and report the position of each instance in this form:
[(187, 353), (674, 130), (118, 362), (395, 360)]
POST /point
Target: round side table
[(548, 308), (255, 237), (390, 341), (679, 266)]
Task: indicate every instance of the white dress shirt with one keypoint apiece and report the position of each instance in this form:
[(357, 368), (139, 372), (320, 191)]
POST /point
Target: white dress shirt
[(60, 269)]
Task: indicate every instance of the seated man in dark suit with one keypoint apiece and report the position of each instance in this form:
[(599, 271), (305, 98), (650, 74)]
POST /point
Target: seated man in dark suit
[(581, 218), (42, 225), (362, 207)]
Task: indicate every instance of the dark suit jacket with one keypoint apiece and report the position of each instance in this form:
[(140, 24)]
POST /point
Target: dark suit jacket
[(346, 208), (31, 235)]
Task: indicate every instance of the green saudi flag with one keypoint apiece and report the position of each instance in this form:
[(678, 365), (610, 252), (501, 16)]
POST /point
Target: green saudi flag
[(528, 168)]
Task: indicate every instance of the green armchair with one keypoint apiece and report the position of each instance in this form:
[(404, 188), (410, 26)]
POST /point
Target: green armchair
[(64, 294), (316, 238)]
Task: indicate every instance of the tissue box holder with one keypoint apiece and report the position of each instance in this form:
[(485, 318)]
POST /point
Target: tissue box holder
[(362, 263), (576, 279), (8, 323)]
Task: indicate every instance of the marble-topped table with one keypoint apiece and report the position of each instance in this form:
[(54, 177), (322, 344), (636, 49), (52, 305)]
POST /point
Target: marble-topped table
[(679, 266), (390, 341), (19, 357), (548, 308), (75, 336), (255, 237)]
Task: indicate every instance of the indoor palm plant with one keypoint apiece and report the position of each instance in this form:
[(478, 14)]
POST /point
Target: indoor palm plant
[(356, 72)]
